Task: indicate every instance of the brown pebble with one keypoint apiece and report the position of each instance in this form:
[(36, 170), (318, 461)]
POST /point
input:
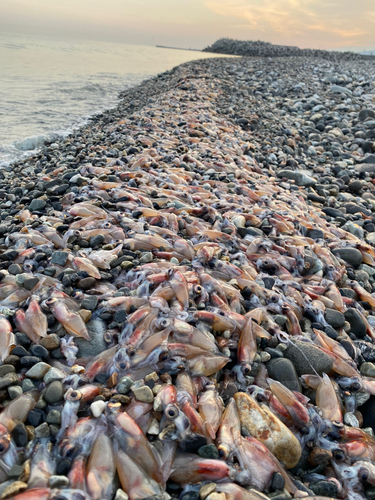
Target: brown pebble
[(50, 342), (11, 360), (30, 432), (121, 398), (106, 393), (319, 456), (86, 283), (359, 417), (112, 381), (14, 489), (85, 314), (206, 490)]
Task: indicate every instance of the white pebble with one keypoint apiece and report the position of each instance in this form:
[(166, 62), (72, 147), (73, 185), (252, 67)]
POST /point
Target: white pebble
[(97, 408)]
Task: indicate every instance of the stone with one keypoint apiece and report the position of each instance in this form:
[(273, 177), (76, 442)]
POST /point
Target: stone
[(15, 472), (90, 302), (15, 269), (121, 495), (282, 370), (277, 482), (308, 359), (52, 375), (19, 434), (368, 369), (337, 89), (208, 451), (37, 205), (146, 258), (27, 385), (357, 323), (14, 489), (14, 391), (30, 283), (206, 489), (38, 371), (54, 417), (8, 379), (42, 431), (50, 342), (97, 408), (350, 255), (60, 258), (5, 369), (300, 178), (96, 329), (144, 394), (86, 283), (125, 384), (58, 482), (324, 489), (54, 392), (334, 318)]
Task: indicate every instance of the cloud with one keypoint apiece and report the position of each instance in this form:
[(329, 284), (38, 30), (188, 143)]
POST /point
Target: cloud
[(334, 23)]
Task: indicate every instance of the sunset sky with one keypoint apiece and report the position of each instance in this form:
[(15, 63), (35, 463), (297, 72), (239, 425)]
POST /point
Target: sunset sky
[(326, 24)]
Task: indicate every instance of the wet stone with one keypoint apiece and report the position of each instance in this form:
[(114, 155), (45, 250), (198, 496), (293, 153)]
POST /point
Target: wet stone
[(54, 417), (60, 258), (30, 283), (54, 392), (35, 417), (277, 482), (283, 370), (37, 205), (50, 342), (15, 472), (20, 351), (208, 451), (324, 488), (206, 490), (6, 369), (14, 391), (86, 283), (42, 431), (15, 269), (58, 482), (19, 434), (38, 371), (368, 369), (308, 359), (52, 375), (357, 324), (27, 385), (96, 329), (350, 255), (143, 394), (334, 318), (89, 303)]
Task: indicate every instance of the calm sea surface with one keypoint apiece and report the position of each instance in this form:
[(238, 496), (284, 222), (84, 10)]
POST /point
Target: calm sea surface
[(48, 87)]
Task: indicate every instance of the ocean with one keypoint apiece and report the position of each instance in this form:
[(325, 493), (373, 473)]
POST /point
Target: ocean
[(49, 87)]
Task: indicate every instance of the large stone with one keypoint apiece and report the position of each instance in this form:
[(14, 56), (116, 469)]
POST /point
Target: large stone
[(308, 359), (87, 348), (282, 370), (334, 318), (300, 178), (357, 324), (350, 255)]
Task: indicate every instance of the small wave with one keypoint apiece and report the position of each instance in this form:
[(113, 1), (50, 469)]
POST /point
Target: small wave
[(36, 141)]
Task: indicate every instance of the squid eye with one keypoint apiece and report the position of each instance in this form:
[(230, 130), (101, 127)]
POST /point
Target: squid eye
[(170, 272), (356, 386), (50, 302), (338, 455), (4, 445), (198, 289), (274, 298), (164, 323), (304, 431), (77, 232), (246, 369), (130, 351), (74, 396), (171, 412), (122, 366), (107, 225), (364, 474), (163, 357)]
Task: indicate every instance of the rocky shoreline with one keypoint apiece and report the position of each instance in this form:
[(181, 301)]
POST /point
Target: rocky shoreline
[(179, 276), (265, 49)]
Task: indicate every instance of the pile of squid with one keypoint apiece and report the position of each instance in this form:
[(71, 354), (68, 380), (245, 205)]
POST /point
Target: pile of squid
[(180, 403)]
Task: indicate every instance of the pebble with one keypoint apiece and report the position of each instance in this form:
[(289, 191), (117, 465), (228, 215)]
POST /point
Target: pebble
[(60, 258), (88, 348), (19, 434), (58, 482), (42, 431), (14, 391), (208, 451), (335, 318), (54, 392), (121, 495), (308, 359), (125, 384), (350, 255), (38, 371), (368, 369), (52, 375), (357, 325), (143, 394), (97, 408), (7, 380), (206, 490), (283, 370)]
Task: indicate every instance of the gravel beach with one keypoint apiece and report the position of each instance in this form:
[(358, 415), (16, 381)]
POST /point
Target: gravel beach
[(187, 291)]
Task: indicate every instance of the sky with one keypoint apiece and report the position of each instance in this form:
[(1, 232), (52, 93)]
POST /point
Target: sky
[(326, 24)]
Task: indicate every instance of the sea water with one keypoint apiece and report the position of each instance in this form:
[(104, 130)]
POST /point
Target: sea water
[(48, 87)]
